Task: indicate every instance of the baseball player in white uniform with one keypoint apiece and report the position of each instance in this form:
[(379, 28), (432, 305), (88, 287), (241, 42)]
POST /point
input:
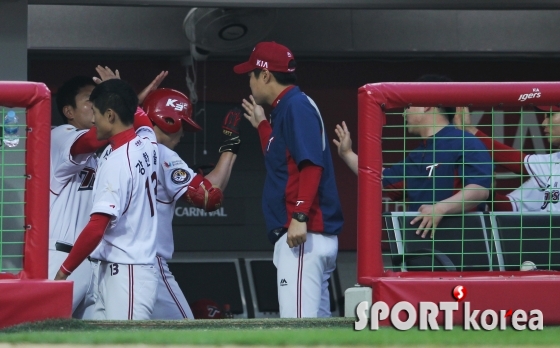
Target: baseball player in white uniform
[(541, 192), (73, 164), (171, 113), (123, 218)]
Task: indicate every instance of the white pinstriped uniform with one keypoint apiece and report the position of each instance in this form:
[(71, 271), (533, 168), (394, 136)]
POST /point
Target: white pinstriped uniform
[(173, 178), (125, 189), (542, 191), (71, 185)]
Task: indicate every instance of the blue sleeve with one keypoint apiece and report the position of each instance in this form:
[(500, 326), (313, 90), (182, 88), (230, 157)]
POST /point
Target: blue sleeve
[(475, 166), (393, 174), (303, 133)]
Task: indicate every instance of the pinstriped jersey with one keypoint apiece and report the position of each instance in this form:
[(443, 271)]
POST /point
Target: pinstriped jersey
[(71, 185), (125, 189), (298, 134), (541, 192), (173, 179)]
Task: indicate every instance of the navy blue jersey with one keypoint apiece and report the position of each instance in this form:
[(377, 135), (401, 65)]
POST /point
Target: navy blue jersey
[(298, 135), (439, 168)]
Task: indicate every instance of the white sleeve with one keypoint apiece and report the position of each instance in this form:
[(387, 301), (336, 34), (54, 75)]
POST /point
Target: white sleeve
[(540, 167), (63, 164), (112, 192), (175, 176), (147, 133), (528, 197)]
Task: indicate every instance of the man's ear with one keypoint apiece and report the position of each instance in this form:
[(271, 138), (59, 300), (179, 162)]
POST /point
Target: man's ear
[(110, 114), (68, 112), (266, 75)]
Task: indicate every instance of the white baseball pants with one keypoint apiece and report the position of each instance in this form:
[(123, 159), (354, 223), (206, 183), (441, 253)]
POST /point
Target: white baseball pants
[(303, 274), (126, 292), (171, 304)]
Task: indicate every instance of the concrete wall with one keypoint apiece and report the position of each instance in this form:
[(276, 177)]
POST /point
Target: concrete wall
[(13, 40)]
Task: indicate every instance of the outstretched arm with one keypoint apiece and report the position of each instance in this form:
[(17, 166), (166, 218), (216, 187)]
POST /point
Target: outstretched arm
[(87, 143), (206, 192), (219, 176), (105, 73), (344, 145), (506, 156), (152, 86)]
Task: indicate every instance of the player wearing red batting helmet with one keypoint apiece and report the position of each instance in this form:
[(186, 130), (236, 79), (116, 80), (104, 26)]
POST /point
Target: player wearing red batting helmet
[(171, 113), (169, 110)]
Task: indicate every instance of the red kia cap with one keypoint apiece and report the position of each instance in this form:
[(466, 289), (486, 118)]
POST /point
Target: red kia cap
[(548, 108), (267, 55)]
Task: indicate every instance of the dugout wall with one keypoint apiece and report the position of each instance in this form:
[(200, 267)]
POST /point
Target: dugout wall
[(26, 294), (497, 290)]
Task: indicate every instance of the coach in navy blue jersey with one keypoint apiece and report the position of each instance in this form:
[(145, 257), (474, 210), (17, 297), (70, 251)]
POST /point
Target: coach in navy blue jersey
[(449, 173), (300, 200)]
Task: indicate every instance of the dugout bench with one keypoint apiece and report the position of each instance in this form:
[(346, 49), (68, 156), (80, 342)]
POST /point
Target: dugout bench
[(474, 242)]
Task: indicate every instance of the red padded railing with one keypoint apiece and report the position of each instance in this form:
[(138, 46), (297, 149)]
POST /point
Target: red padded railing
[(36, 98), (374, 98)]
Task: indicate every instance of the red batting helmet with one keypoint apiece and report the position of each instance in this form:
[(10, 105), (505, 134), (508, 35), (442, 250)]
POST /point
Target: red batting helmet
[(168, 109)]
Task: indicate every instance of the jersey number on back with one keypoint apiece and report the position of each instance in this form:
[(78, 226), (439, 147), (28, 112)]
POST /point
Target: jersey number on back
[(154, 181), (88, 177)]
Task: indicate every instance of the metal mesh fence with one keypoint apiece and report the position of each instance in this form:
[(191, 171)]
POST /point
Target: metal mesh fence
[(488, 180), (12, 188)]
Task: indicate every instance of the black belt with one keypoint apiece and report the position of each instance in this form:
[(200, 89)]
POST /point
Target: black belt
[(67, 248)]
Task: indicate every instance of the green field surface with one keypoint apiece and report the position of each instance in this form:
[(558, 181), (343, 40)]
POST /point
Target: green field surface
[(263, 332)]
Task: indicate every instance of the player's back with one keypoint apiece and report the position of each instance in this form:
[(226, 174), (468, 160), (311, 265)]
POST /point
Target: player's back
[(125, 189), (71, 185), (173, 179)]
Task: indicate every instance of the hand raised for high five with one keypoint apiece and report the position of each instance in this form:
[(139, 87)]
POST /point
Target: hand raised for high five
[(344, 145), (105, 73), (462, 120), (253, 112), (152, 86), (344, 142)]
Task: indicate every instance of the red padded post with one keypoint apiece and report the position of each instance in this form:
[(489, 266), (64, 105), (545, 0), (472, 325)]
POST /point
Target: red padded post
[(373, 98), (36, 98)]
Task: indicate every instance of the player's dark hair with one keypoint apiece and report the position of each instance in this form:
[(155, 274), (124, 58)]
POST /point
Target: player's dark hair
[(285, 79), (448, 110), (117, 95), (67, 93)]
